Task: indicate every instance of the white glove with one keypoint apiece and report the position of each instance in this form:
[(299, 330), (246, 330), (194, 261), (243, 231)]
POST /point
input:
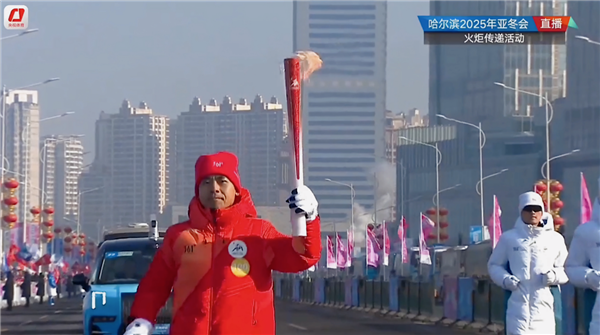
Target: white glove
[(511, 283), (593, 280), (139, 327), (303, 200), (549, 278)]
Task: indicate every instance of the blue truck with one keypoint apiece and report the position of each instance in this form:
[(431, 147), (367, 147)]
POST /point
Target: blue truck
[(123, 260)]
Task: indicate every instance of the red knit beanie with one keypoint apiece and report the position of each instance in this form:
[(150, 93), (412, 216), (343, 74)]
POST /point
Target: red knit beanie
[(219, 164)]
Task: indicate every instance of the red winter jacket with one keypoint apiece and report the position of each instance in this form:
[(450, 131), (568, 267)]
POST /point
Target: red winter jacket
[(213, 292)]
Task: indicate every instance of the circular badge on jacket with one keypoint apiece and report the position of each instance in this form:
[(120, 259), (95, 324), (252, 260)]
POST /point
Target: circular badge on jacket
[(237, 249), (240, 267)]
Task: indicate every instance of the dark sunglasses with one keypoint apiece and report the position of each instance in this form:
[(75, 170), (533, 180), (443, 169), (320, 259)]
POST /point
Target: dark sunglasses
[(532, 208)]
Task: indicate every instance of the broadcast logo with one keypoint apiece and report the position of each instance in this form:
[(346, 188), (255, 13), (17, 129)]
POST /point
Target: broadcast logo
[(16, 17)]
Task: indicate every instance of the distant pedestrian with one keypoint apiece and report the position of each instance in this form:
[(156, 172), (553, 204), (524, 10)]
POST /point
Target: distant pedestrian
[(52, 284), (26, 287), (41, 287)]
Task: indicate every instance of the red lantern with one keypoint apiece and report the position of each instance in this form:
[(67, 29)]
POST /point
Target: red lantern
[(431, 211), (48, 223), (443, 211), (57, 230), (556, 187), (82, 252), (82, 235), (35, 211), (74, 236), (11, 184), (68, 239), (12, 201), (432, 237), (558, 221), (557, 204), (540, 187), (48, 235), (68, 230), (68, 249), (82, 243), (10, 218), (443, 237), (444, 224), (49, 210)]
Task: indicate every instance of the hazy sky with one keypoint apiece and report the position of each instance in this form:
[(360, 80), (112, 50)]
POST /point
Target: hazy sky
[(167, 53)]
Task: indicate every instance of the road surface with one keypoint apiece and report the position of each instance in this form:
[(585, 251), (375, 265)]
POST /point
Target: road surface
[(292, 319), (300, 319), (64, 318)]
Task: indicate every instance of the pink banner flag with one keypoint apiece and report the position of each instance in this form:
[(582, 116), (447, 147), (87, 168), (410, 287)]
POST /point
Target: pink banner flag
[(386, 244), (342, 253), (402, 236), (372, 249), (350, 243), (426, 228), (494, 223), (586, 202), (331, 263)]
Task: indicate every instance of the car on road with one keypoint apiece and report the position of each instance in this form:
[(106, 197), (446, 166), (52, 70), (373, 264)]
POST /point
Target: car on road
[(112, 285)]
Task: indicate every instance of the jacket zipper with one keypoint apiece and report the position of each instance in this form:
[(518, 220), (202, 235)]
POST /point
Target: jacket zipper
[(212, 255)]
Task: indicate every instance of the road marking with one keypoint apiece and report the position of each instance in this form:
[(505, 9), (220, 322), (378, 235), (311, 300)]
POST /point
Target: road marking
[(24, 323), (296, 326), (56, 312), (43, 317)]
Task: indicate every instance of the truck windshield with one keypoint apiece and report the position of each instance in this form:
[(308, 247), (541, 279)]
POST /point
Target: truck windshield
[(125, 266)]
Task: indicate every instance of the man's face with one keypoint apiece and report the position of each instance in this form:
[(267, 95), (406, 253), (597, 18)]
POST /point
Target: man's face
[(532, 215), (216, 192)]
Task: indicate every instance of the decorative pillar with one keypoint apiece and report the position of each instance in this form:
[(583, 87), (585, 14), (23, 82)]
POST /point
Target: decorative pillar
[(555, 188), (48, 224)]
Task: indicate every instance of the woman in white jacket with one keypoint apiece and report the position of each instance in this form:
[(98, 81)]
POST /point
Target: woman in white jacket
[(583, 263), (527, 260)]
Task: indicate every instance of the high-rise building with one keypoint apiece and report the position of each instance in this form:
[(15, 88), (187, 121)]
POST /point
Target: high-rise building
[(253, 131), (22, 148), (461, 77), (344, 102), (129, 168), (62, 165)]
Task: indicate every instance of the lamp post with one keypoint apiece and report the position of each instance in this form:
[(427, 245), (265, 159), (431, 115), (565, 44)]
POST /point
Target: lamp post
[(23, 33), (352, 196), (438, 161), (482, 140), (587, 39), (5, 93), (25, 144), (549, 116), (477, 189), (553, 158), (436, 199)]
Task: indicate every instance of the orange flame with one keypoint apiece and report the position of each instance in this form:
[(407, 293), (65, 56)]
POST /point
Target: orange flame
[(310, 62)]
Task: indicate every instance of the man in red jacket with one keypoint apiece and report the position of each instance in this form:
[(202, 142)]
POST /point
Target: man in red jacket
[(218, 263)]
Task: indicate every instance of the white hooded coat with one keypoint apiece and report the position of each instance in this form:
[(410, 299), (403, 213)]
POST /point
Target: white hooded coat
[(529, 253), (584, 257)]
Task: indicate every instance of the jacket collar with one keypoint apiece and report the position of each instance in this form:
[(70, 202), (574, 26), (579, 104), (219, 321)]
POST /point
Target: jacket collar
[(222, 219)]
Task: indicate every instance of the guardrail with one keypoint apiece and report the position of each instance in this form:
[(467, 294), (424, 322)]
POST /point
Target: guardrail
[(459, 302)]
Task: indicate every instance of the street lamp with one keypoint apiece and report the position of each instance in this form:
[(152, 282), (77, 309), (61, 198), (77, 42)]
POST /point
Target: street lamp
[(587, 39), (25, 140), (352, 196), (436, 199), (438, 161), (549, 116), (553, 158), (482, 140), (477, 189), (25, 32)]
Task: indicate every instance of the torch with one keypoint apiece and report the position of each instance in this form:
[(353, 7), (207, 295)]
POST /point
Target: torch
[(298, 69)]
